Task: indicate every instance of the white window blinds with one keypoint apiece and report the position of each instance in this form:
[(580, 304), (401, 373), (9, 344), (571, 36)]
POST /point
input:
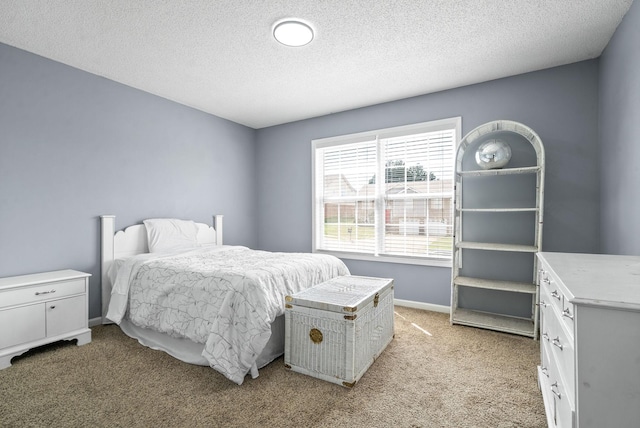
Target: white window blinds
[(405, 213)]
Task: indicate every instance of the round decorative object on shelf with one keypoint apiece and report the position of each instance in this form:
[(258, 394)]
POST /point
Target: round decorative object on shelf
[(493, 154)]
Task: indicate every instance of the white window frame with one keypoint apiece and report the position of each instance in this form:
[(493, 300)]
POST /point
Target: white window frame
[(317, 204)]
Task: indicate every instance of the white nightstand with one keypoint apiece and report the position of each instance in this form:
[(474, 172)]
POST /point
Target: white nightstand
[(42, 308)]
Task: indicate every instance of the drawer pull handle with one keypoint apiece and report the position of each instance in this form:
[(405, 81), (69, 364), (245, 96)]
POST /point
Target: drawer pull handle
[(39, 293), (555, 294), (567, 313), (544, 371), (556, 393), (546, 280), (556, 342), (545, 336), (52, 306), (543, 304)]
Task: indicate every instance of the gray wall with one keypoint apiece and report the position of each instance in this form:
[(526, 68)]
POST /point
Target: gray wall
[(620, 138), (560, 104), (74, 146)]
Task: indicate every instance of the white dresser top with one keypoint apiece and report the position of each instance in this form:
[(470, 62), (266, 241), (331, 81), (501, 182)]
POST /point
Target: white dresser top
[(598, 279)]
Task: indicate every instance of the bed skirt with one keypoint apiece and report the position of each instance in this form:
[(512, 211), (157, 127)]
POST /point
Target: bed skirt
[(191, 352)]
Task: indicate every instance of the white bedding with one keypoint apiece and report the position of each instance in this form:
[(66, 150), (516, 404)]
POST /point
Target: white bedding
[(225, 297)]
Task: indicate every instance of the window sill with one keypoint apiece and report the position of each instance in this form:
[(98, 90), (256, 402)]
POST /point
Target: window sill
[(390, 259)]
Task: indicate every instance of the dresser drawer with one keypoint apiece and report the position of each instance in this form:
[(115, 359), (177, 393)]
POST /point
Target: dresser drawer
[(561, 404), (552, 292), (555, 341), (547, 312), (546, 305), (41, 292), (546, 360), (567, 315), (550, 285)]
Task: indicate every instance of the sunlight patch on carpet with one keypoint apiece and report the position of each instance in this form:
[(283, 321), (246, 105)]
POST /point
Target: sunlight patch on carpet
[(398, 315), (421, 329), (414, 324)]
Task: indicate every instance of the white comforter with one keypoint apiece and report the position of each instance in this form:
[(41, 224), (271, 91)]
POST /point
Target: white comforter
[(224, 297)]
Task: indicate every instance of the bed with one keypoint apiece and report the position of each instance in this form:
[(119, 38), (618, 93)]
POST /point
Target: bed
[(172, 285)]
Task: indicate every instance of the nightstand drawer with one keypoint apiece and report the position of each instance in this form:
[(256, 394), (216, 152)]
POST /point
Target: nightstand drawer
[(66, 315), (22, 325), (41, 292)]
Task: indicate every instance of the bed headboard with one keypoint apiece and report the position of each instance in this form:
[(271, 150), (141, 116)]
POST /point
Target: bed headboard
[(133, 240)]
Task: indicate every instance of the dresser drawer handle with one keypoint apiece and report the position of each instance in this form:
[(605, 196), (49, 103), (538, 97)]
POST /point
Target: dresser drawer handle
[(567, 313), (545, 336), (39, 293), (542, 303), (556, 342), (544, 371), (555, 294), (556, 393)]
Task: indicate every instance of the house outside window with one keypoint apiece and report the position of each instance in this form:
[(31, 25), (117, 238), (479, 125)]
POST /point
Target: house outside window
[(407, 215)]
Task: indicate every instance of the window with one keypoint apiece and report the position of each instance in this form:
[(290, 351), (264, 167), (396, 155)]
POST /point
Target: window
[(407, 214)]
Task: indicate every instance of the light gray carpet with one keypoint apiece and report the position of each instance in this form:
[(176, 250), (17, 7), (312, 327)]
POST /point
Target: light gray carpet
[(452, 376)]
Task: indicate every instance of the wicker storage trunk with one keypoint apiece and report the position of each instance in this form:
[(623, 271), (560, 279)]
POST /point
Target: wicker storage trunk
[(335, 330)]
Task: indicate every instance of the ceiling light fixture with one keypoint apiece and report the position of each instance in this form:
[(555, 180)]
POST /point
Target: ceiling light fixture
[(293, 32)]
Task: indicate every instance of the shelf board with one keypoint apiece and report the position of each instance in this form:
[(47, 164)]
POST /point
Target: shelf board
[(516, 287), (503, 171), (496, 247), (498, 322), (497, 210)]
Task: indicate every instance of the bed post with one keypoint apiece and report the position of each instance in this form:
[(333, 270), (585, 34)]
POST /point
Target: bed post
[(217, 225), (107, 229)]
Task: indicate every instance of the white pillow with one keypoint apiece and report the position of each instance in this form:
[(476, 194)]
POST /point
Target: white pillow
[(168, 234)]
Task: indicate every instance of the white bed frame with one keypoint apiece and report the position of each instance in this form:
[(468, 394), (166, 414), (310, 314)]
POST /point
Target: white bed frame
[(132, 241)]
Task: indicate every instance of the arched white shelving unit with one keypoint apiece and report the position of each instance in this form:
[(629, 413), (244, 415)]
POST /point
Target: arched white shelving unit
[(498, 231)]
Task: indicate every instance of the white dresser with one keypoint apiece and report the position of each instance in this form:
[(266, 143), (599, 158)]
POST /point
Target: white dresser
[(42, 308), (589, 373)]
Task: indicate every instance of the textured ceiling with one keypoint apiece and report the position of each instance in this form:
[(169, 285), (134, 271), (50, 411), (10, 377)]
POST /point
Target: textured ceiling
[(220, 57)]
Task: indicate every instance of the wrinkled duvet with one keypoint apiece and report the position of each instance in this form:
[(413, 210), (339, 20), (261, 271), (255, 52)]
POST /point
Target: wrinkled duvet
[(224, 297)]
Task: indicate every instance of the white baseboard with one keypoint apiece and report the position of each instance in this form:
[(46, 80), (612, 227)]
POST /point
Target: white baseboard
[(95, 321), (421, 305)]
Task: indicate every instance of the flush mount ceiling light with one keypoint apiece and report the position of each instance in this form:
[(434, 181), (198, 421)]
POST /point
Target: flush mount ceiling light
[(293, 32)]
